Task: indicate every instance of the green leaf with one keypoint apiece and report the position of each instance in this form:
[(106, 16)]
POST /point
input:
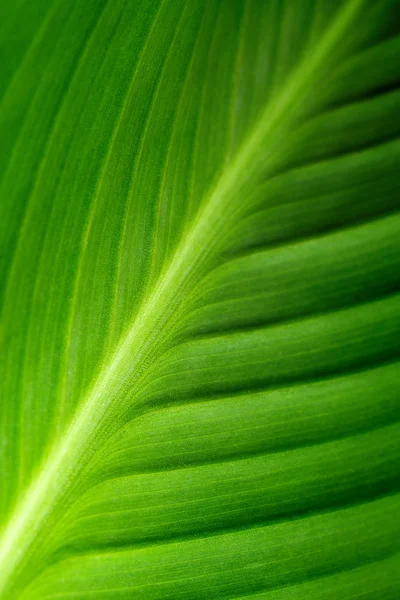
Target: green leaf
[(200, 299)]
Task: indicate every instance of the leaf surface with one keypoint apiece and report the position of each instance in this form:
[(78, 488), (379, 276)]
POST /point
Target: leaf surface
[(200, 300)]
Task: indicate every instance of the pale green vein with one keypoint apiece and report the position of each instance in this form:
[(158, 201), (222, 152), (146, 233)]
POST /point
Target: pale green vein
[(103, 404), (150, 114), (179, 114), (41, 170), (85, 238)]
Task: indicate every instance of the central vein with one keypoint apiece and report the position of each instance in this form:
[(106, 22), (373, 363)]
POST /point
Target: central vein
[(102, 411)]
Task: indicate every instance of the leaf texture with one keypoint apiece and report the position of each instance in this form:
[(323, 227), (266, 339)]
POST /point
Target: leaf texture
[(200, 300)]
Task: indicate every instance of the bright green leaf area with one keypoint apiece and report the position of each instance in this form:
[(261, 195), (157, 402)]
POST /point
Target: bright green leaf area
[(200, 299)]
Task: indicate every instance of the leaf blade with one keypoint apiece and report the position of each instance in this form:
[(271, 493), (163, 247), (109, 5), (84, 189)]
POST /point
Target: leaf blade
[(157, 361)]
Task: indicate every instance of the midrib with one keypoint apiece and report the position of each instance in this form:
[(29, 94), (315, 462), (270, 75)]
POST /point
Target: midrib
[(102, 411)]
